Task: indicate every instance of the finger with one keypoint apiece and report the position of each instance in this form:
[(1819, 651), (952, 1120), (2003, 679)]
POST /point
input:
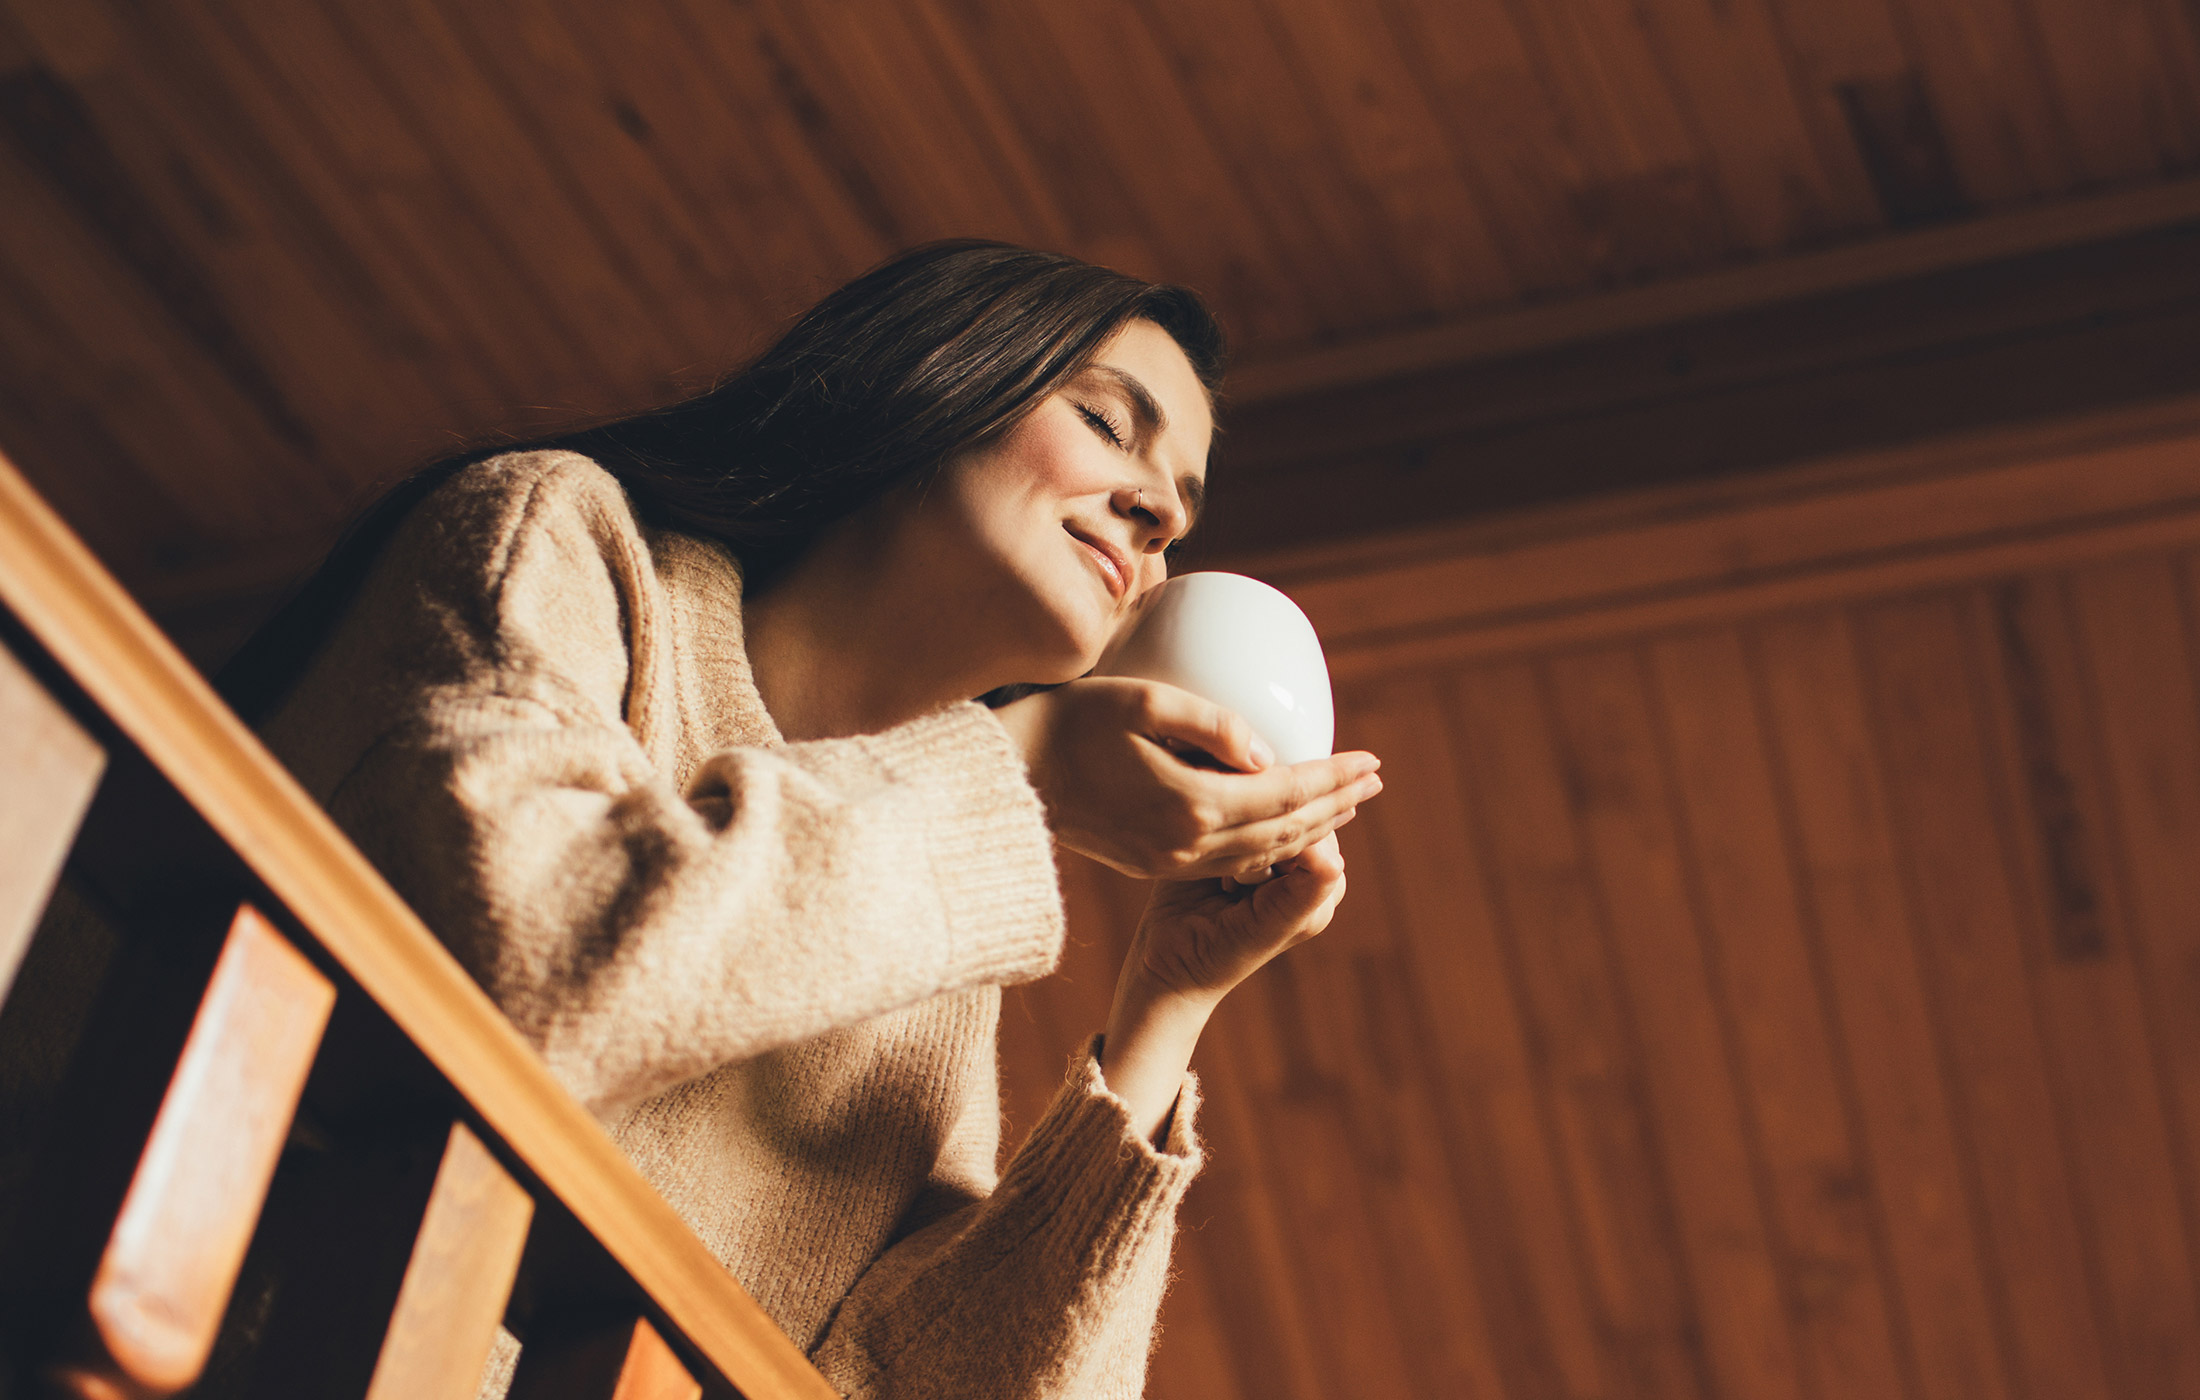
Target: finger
[(1243, 799), (1178, 716), (1281, 859), (1304, 895), (1286, 835)]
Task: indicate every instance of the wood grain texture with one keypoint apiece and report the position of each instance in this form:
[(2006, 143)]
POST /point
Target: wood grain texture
[(463, 1262), (623, 1361), (1785, 998), (166, 1273), (49, 768)]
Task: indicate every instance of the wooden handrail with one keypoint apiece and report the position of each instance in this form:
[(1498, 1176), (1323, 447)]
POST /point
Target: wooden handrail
[(114, 652)]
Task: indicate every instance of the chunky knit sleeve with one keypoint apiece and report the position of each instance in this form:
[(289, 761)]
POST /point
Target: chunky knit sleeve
[(1047, 1288), (640, 933)]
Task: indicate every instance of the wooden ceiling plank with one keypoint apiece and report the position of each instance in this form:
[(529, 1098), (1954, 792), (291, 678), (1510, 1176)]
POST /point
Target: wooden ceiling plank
[(1085, 176), (2109, 70), (1590, 1068), (461, 365), (1621, 792), (1206, 232), (1728, 70), (2092, 1015), (1479, 1054), (1349, 59), (489, 160), (1520, 152), (2140, 663), (1936, 760), (2011, 143), (179, 416), (1802, 1116), (1827, 763), (347, 123), (304, 305), (1653, 206), (697, 285), (1389, 1107), (1320, 213), (720, 140)]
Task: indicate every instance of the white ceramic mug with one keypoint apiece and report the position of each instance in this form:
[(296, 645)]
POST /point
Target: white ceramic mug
[(1245, 646)]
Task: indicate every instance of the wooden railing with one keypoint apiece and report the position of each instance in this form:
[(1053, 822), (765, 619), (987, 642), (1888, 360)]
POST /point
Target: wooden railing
[(272, 1140)]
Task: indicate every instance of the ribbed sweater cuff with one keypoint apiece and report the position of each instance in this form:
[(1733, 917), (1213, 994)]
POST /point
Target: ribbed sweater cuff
[(1109, 1185), (992, 855)]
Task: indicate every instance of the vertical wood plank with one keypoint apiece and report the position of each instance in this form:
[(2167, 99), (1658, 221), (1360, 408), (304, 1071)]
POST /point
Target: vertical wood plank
[(1592, 1068), (1943, 808), (2142, 669), (167, 1270), (459, 1277), (1835, 803), (624, 1361), (1768, 982), (49, 768), (1478, 1049), (1621, 798)]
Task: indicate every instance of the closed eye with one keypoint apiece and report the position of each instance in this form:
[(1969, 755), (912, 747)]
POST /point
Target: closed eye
[(1101, 424)]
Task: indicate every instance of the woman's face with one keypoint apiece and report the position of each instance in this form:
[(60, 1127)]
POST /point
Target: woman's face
[(1068, 517)]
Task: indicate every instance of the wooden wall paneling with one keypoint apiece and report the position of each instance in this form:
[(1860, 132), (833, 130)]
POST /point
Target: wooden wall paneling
[(2095, 1021), (1654, 203), (165, 1275), (480, 145), (2134, 624), (623, 1361), (1937, 770), (1983, 67), (1323, 221), (1617, 783), (51, 768), (463, 1263), (321, 100), (1290, 1053), (2128, 118), (1435, 225), (1389, 1110), (1489, 1113), (271, 293), (1616, 1183), (1729, 73), (1767, 982), (1896, 1079), (696, 285), (1136, 118)]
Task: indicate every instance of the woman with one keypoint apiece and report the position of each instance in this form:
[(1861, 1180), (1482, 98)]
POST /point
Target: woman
[(665, 727)]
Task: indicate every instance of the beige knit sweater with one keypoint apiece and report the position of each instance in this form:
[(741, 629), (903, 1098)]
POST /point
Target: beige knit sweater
[(772, 969)]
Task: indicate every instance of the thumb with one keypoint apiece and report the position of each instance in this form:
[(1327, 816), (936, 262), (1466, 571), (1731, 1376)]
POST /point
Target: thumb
[(1179, 717)]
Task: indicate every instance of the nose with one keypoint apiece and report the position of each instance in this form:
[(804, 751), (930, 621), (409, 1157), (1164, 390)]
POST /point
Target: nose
[(1157, 513)]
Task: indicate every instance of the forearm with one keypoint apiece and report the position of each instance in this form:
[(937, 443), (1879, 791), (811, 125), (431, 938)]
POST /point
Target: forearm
[(1148, 1048)]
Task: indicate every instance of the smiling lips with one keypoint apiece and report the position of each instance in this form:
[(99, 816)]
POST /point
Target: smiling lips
[(1113, 567)]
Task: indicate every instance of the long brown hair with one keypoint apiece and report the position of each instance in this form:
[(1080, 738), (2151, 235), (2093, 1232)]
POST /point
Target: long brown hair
[(933, 352)]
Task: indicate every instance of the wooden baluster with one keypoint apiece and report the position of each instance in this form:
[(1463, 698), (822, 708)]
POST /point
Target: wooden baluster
[(391, 1270), (48, 769), (459, 1278), (165, 1273), (624, 1361)]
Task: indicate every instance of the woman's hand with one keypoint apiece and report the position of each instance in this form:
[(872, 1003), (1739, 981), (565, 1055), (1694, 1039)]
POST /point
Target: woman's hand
[(1163, 785), (1198, 940)]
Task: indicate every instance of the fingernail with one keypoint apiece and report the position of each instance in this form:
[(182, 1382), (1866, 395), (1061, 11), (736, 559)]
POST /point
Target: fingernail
[(1262, 754)]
